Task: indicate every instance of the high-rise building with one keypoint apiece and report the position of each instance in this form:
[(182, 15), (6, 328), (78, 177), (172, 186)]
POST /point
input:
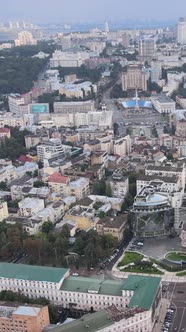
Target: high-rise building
[(25, 38), (134, 78), (146, 49), (156, 71), (181, 31), (107, 27), (125, 40)]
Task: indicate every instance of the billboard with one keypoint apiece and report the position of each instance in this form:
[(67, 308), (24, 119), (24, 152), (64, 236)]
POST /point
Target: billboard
[(39, 108)]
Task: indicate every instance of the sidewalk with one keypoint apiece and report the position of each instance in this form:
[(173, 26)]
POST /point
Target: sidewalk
[(162, 313)]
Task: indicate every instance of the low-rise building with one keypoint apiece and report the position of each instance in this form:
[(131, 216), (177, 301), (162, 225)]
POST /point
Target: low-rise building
[(4, 133), (163, 104), (3, 210), (112, 225), (140, 293), (29, 206)]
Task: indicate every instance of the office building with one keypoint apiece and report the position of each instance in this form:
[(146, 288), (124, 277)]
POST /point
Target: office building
[(181, 31), (163, 104), (146, 49), (134, 292), (134, 78), (68, 59), (156, 71), (125, 40), (25, 318), (74, 107), (50, 149)]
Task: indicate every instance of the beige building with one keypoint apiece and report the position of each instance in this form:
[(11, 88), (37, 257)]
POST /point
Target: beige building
[(25, 38), (122, 146), (23, 318), (134, 78), (114, 226), (3, 210), (74, 107), (5, 133)]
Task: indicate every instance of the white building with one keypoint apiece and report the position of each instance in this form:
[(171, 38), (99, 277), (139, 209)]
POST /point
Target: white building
[(74, 107), (49, 149), (181, 31), (30, 206), (140, 293), (7, 173), (68, 59), (163, 104), (119, 185)]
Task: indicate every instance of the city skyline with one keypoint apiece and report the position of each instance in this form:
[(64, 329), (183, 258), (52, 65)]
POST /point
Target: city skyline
[(83, 12)]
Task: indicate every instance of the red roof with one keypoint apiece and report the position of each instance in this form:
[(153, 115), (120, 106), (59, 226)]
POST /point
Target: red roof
[(25, 159), (58, 178), (4, 130)]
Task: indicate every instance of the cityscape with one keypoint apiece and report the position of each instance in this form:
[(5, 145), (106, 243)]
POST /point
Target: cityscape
[(92, 167)]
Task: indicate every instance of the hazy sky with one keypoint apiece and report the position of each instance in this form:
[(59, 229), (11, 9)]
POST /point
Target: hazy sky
[(90, 10)]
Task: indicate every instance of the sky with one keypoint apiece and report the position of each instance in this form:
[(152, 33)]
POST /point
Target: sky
[(84, 11)]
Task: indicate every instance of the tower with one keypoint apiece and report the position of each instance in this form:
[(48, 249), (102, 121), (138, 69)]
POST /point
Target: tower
[(106, 27)]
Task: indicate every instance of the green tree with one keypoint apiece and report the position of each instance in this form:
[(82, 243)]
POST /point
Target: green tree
[(3, 185), (108, 190), (47, 227), (38, 184)]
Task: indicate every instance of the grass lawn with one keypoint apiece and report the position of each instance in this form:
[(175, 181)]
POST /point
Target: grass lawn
[(176, 256), (142, 269), (181, 274), (130, 257)]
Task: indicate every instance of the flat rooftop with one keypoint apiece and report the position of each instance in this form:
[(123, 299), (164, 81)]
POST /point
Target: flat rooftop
[(32, 273)]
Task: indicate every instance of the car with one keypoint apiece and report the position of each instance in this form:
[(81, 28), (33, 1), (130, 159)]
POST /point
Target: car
[(75, 274)]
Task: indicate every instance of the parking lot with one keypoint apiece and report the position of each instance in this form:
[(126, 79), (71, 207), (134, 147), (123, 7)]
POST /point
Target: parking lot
[(176, 293)]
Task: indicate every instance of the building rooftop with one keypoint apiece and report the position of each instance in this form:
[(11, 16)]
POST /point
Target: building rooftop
[(91, 285), (144, 288), (162, 99), (58, 178), (32, 273), (113, 222), (88, 323), (27, 311), (164, 168)]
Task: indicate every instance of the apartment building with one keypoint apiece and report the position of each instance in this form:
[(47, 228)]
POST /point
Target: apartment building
[(25, 38), (23, 318), (57, 183), (4, 133), (114, 226), (119, 185), (30, 206), (7, 173), (122, 146), (3, 210), (83, 293)]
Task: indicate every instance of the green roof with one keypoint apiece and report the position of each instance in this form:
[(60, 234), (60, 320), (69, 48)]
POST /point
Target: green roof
[(145, 290), (88, 323), (84, 285), (32, 273)]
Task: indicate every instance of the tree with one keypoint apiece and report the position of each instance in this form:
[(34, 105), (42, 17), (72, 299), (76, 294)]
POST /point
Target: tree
[(108, 190), (38, 184), (3, 185), (47, 227), (65, 232)]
